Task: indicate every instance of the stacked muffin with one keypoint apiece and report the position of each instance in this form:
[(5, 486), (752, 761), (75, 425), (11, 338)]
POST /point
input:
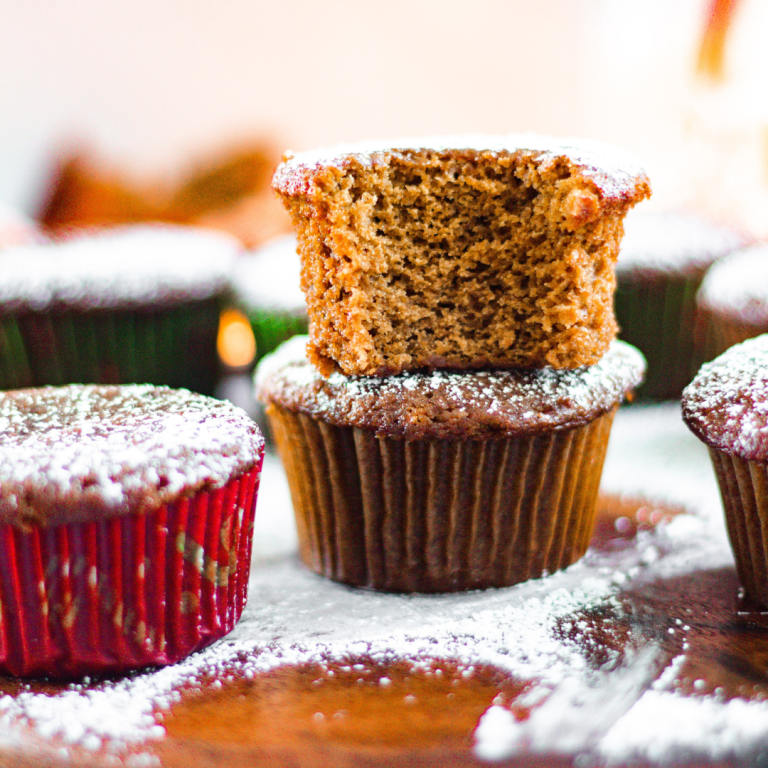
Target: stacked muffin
[(450, 427)]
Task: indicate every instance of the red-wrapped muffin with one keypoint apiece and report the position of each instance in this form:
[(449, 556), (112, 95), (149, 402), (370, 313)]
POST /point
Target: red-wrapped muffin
[(726, 406), (443, 481), (126, 517)]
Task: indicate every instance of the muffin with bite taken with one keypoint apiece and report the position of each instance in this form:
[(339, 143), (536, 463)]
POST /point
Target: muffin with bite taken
[(459, 252)]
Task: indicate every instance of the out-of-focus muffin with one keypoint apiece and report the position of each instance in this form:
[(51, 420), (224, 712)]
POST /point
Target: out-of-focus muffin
[(733, 299), (266, 287), (229, 192), (16, 228), (662, 261), (443, 481), (132, 304), (726, 406)]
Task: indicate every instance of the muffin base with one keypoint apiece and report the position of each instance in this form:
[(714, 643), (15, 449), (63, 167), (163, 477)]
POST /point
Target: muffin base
[(439, 515), (127, 592), (744, 490)]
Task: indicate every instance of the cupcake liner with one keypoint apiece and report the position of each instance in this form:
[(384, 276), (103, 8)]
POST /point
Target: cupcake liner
[(272, 327), (126, 592), (174, 346), (719, 333), (439, 515), (658, 316), (744, 490)]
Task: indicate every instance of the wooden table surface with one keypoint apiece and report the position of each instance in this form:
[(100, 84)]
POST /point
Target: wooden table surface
[(667, 627)]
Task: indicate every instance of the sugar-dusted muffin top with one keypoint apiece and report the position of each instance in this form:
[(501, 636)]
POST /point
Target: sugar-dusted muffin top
[(83, 452), (461, 252), (737, 286), (451, 404), (125, 267), (673, 243), (615, 172), (726, 405), (269, 278)]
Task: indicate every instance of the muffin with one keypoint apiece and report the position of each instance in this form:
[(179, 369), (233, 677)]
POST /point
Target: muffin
[(460, 252), (726, 406), (134, 304), (661, 263), (446, 480), (126, 517), (733, 299), (266, 287)]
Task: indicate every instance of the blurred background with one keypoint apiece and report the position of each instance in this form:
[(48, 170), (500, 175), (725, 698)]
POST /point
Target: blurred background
[(151, 89), (179, 110)]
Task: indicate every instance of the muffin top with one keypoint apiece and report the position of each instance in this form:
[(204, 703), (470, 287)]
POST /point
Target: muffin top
[(269, 278), (451, 404), (83, 452), (614, 172), (125, 267), (673, 243), (726, 404), (737, 286)]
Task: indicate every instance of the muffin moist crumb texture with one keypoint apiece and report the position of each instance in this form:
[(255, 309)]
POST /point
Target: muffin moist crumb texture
[(457, 258), (73, 453)]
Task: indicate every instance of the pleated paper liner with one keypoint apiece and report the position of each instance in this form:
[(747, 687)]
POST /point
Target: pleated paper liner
[(175, 346), (658, 316), (721, 333), (272, 327), (439, 515), (744, 490), (127, 592)]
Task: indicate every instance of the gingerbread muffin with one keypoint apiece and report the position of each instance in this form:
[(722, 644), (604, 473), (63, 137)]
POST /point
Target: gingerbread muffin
[(126, 520), (266, 288), (733, 299), (662, 261), (726, 406), (132, 304), (460, 252), (443, 481)]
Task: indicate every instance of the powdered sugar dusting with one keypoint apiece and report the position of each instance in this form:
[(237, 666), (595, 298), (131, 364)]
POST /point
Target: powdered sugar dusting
[(737, 286), (80, 451), (726, 403), (269, 278), (615, 171), (602, 715), (123, 267), (443, 403), (675, 242)]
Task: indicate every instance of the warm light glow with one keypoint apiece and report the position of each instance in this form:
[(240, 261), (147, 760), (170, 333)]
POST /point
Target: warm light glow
[(235, 343)]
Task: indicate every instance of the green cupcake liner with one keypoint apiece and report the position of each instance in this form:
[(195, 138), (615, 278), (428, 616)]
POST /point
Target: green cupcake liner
[(271, 328), (174, 346), (658, 316)]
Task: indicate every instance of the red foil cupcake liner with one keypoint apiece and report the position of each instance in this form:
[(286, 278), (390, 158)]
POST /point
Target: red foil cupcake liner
[(126, 592), (744, 490), (439, 515)]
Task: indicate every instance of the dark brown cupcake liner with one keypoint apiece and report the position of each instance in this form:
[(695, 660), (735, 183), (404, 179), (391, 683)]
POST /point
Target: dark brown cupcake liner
[(126, 592), (658, 316), (175, 346), (439, 515), (744, 490)]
